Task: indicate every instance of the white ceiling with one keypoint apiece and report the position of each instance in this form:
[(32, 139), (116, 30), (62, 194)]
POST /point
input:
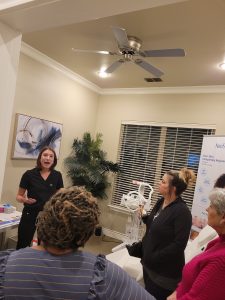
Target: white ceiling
[(198, 26)]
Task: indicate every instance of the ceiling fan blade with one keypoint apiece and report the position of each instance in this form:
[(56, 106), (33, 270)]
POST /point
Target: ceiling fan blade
[(95, 51), (121, 37), (148, 67), (114, 66), (163, 53)]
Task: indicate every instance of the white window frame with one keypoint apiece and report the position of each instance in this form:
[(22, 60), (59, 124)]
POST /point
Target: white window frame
[(165, 127)]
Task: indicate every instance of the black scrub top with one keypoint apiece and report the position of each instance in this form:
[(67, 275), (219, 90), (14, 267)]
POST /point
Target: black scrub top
[(38, 188)]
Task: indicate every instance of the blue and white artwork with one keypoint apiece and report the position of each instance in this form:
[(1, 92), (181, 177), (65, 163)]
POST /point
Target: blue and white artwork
[(32, 134)]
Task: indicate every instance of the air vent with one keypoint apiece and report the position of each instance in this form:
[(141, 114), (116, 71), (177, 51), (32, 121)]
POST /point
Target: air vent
[(157, 79)]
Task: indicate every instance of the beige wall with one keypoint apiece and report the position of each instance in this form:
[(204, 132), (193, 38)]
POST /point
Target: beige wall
[(45, 93), (175, 108)]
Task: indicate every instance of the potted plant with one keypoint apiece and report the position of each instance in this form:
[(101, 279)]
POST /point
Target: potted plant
[(87, 165)]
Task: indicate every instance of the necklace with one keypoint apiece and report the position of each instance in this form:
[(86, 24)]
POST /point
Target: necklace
[(157, 213)]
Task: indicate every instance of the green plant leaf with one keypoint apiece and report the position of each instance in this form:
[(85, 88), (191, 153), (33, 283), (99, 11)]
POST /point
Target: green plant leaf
[(87, 165)]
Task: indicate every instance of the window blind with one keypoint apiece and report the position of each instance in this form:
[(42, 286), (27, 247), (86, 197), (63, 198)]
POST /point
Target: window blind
[(146, 152)]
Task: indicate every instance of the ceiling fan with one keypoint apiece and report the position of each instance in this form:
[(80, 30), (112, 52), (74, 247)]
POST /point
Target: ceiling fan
[(129, 47)]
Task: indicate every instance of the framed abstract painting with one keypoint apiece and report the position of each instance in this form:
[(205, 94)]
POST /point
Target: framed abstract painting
[(32, 134)]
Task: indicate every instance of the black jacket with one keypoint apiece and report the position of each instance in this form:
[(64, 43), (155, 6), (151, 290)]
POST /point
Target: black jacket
[(166, 238)]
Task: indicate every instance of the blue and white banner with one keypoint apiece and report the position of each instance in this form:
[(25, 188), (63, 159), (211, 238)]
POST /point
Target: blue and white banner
[(211, 166)]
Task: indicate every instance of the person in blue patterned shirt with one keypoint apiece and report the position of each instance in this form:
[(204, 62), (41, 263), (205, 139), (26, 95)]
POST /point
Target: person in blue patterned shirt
[(57, 268)]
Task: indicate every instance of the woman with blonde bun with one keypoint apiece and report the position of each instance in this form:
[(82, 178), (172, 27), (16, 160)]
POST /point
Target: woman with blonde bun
[(167, 232)]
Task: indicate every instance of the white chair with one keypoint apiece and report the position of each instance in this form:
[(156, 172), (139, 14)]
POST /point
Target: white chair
[(199, 244), (128, 263), (133, 266)]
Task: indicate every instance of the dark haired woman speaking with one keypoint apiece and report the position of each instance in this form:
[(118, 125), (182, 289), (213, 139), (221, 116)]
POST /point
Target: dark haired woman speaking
[(167, 232), (35, 189)]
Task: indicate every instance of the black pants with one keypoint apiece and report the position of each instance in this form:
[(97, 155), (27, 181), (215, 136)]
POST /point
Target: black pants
[(158, 292), (27, 227)]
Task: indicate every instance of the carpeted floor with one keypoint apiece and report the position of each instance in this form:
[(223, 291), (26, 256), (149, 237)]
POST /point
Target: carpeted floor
[(96, 244), (101, 244)]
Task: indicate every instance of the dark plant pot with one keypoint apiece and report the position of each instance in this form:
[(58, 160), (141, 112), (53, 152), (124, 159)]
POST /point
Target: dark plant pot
[(98, 231)]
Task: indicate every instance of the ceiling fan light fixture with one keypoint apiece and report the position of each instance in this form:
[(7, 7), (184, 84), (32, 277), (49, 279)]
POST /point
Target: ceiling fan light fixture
[(134, 43), (129, 48), (222, 66)]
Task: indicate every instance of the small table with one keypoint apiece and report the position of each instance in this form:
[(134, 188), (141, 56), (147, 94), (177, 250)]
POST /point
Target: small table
[(8, 222)]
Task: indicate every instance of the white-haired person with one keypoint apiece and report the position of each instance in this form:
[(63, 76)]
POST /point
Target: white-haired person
[(203, 277), (57, 269)]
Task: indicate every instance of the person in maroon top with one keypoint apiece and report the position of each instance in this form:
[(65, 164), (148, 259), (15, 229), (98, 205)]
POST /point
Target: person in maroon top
[(203, 276), (35, 189)]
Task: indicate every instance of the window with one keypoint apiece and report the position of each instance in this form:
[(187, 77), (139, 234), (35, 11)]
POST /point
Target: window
[(146, 152)]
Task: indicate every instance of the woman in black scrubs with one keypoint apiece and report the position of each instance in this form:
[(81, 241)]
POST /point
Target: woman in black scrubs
[(36, 187)]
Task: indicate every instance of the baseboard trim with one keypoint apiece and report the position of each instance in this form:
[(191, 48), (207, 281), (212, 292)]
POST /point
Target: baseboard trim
[(114, 234)]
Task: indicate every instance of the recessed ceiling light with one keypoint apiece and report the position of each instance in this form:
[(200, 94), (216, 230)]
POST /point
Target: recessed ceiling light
[(102, 73), (222, 66), (103, 52)]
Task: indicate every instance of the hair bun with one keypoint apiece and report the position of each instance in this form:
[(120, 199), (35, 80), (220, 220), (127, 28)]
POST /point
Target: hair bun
[(187, 175)]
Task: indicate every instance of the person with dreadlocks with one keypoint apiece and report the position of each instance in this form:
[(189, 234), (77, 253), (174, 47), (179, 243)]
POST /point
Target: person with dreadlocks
[(57, 268)]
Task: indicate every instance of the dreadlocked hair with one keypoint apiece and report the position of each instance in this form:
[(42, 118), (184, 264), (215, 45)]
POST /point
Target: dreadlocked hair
[(68, 219), (182, 179)]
